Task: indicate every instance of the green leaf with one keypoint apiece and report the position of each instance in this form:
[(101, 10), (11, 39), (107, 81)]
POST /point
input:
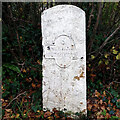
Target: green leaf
[(5, 94), (104, 112), (12, 67), (115, 117), (114, 93), (34, 108), (118, 104)]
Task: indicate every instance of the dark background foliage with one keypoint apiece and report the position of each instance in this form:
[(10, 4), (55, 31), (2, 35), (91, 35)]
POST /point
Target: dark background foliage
[(22, 58)]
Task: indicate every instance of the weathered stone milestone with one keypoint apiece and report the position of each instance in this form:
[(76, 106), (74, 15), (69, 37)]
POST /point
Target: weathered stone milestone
[(64, 58)]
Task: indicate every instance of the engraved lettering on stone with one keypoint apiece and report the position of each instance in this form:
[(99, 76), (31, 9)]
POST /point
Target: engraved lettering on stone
[(63, 51)]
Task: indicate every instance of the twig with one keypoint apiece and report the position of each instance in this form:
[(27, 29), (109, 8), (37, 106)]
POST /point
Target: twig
[(19, 45), (22, 64), (12, 52), (105, 42), (95, 27), (108, 93), (90, 17), (116, 82), (15, 98)]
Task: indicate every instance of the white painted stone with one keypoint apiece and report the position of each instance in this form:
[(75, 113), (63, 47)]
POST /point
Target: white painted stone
[(64, 58)]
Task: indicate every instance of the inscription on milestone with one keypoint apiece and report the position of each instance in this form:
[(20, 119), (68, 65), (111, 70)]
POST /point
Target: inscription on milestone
[(63, 51)]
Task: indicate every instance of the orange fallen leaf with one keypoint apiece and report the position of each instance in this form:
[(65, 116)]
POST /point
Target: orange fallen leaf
[(97, 94), (108, 108), (89, 107), (109, 98), (12, 116), (39, 85), (54, 110), (50, 118), (96, 105), (118, 100), (33, 85), (109, 102), (57, 116), (24, 70), (92, 75), (38, 62), (107, 115), (4, 104), (17, 115), (47, 114)]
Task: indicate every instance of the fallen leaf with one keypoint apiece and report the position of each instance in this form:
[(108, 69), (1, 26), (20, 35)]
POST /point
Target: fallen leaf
[(13, 116), (39, 85), (89, 107), (33, 85), (17, 115), (50, 118), (57, 116), (38, 111), (8, 110), (101, 102), (107, 115), (24, 70), (4, 104), (38, 62), (47, 114), (97, 94), (104, 93)]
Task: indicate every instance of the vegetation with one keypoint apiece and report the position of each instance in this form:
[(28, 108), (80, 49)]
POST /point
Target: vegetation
[(22, 58)]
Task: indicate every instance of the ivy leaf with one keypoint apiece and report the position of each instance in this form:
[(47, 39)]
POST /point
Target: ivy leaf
[(100, 62), (104, 112), (118, 57), (106, 55), (115, 51), (106, 62), (118, 104), (12, 67), (92, 57), (114, 93)]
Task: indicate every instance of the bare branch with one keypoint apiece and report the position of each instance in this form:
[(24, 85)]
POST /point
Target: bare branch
[(105, 42), (90, 17), (19, 45), (15, 99), (95, 27), (116, 82)]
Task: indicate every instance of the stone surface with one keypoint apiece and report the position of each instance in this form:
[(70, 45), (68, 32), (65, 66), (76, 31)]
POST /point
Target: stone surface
[(64, 58)]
